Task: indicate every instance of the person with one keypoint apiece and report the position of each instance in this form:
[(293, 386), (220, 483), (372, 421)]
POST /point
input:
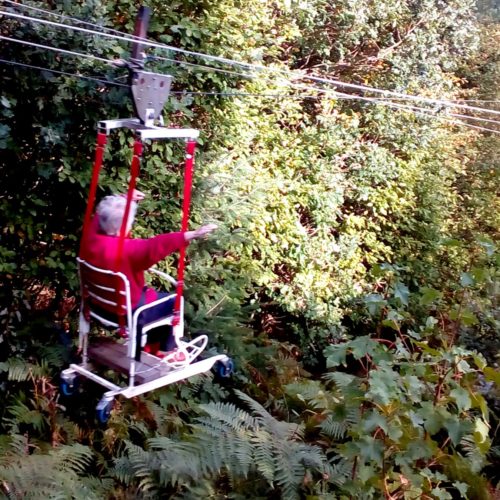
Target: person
[(101, 247)]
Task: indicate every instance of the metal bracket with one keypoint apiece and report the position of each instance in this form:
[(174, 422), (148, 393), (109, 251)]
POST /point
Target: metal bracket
[(149, 91)]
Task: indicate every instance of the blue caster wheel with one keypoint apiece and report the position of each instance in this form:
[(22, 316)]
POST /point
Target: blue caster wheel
[(103, 410), (225, 368), (69, 387)]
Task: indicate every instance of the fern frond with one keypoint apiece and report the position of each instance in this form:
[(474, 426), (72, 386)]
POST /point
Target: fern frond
[(50, 475), (341, 379), (339, 470), (18, 370), (255, 407), (12, 446), (19, 413), (475, 456), (264, 454), (230, 415), (334, 429), (75, 457), (55, 356), (289, 471), (313, 394)]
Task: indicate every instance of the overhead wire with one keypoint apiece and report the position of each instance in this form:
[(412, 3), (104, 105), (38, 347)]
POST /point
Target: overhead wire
[(420, 111), (200, 66), (337, 83), (180, 92), (397, 105), (15, 4), (426, 111), (334, 92), (57, 49), (65, 73), (390, 103)]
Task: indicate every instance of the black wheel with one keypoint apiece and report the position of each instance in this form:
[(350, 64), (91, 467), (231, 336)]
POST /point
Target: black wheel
[(68, 388), (103, 411), (225, 368)]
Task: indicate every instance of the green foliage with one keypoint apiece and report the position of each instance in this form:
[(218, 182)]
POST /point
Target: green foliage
[(354, 239), (61, 473), (249, 449), (422, 413)]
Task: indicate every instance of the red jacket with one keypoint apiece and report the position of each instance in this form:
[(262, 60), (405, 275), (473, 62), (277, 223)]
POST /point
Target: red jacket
[(100, 250)]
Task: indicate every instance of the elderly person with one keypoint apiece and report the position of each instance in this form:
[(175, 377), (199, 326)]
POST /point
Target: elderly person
[(101, 249)]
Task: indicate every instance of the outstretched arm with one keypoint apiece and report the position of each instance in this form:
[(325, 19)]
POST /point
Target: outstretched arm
[(201, 232)]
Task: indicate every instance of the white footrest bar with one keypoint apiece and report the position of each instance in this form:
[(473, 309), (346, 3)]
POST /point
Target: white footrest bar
[(174, 376)]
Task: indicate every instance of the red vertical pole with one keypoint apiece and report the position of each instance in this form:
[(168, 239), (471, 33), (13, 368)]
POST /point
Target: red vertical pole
[(186, 203), (102, 138), (134, 173)]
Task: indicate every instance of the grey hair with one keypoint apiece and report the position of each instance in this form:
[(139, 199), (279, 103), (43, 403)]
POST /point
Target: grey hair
[(111, 210)]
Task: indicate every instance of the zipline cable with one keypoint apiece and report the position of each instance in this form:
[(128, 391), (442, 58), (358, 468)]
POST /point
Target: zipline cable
[(334, 92), (56, 49), (201, 66), (178, 92), (15, 4), (232, 62), (398, 105), (420, 111), (65, 73), (315, 89)]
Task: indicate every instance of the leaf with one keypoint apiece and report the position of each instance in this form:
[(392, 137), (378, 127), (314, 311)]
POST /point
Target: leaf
[(362, 346), (384, 386), (420, 449), (479, 360), (466, 279), (336, 355), (441, 494), (468, 318), (461, 487), (456, 428), (492, 375), (342, 379), (480, 274), (481, 430), (433, 417), (401, 292), (451, 243), (373, 421), (429, 295), (479, 402), (462, 398), (374, 302), (370, 448), (488, 245)]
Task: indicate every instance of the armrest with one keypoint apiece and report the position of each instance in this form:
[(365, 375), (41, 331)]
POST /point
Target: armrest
[(163, 275)]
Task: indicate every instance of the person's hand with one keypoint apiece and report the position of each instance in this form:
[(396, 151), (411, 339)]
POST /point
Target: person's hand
[(136, 195), (201, 232)]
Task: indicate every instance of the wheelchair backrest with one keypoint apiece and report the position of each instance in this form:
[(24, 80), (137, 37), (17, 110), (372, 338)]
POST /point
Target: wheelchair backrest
[(105, 294)]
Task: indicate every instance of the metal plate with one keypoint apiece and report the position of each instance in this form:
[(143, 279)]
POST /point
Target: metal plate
[(150, 91)]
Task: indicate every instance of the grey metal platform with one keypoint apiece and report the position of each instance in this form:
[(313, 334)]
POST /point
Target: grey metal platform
[(112, 354)]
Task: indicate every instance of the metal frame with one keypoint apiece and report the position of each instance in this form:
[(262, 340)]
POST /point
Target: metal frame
[(145, 132), (174, 369)]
